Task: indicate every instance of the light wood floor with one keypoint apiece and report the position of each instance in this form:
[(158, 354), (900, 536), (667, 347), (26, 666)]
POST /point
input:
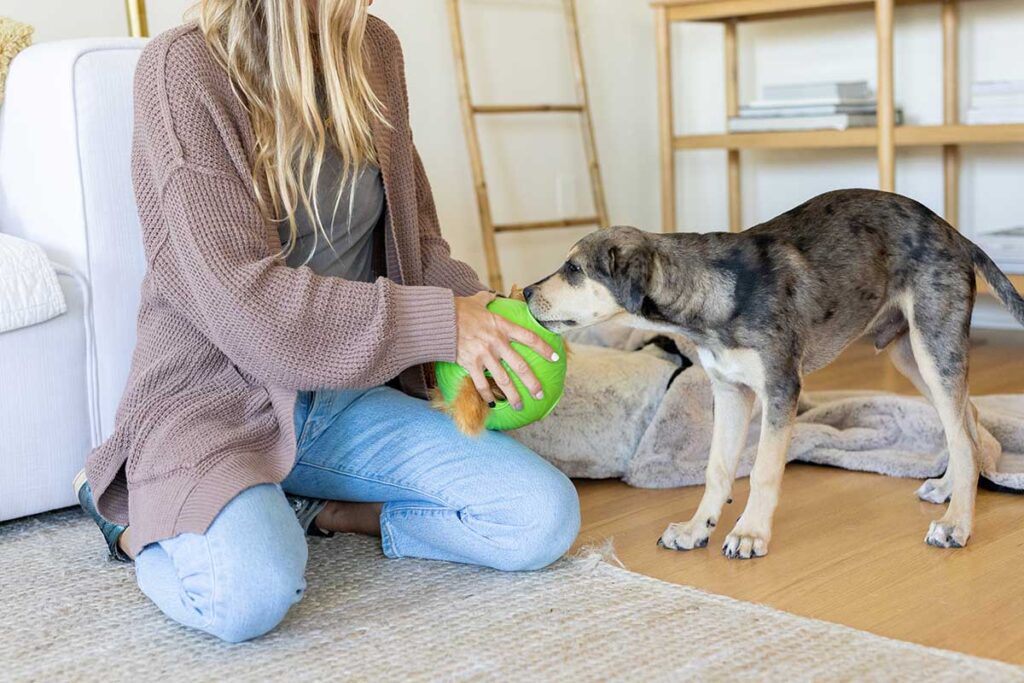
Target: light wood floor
[(848, 547)]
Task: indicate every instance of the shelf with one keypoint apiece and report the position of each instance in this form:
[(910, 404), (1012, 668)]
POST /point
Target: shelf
[(906, 136), (722, 10)]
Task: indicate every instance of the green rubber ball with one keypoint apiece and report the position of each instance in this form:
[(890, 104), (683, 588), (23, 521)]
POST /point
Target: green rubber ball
[(551, 374)]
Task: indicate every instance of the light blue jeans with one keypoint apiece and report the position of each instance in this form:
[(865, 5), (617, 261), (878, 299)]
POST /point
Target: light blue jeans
[(488, 501)]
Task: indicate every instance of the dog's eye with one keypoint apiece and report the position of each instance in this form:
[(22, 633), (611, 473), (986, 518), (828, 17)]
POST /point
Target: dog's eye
[(571, 267)]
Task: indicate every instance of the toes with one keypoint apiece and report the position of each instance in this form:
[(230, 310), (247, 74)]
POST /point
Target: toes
[(744, 547), (935, 491), (686, 536), (947, 535)]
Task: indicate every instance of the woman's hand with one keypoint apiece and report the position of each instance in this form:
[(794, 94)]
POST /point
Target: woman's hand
[(484, 341)]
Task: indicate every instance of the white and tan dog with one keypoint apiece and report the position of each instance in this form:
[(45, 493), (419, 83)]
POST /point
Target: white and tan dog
[(771, 304)]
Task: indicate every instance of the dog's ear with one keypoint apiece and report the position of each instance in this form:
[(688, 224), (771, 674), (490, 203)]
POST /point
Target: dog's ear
[(630, 272)]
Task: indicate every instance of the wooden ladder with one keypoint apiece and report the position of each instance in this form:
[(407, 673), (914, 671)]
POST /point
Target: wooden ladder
[(470, 111)]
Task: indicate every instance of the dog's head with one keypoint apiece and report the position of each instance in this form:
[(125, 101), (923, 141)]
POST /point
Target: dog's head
[(606, 274)]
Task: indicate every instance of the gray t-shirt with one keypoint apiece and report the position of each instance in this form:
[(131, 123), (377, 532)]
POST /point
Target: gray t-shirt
[(349, 223)]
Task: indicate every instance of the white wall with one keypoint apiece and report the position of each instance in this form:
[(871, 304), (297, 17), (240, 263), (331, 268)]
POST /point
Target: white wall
[(518, 53)]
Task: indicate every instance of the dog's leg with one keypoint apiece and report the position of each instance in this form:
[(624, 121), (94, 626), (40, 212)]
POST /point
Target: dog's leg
[(939, 339), (750, 537), (933, 490), (733, 406)]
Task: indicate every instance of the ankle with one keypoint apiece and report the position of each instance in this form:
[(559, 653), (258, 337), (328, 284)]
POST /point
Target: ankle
[(122, 543), (350, 518)]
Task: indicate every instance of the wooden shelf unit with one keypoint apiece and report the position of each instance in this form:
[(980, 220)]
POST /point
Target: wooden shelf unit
[(755, 10), (884, 138), (904, 136)]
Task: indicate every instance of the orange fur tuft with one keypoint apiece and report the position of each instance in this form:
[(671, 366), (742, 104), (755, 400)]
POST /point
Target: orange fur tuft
[(468, 410), (437, 401)]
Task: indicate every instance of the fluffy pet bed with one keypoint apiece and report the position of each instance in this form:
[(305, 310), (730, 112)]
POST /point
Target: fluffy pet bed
[(634, 409)]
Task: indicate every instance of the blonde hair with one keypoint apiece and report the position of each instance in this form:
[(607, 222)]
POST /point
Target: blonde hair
[(303, 81)]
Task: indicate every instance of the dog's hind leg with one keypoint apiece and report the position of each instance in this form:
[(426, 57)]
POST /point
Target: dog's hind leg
[(750, 537), (902, 354), (939, 327), (733, 407)]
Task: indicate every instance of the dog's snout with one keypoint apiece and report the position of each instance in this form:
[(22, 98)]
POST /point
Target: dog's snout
[(528, 293)]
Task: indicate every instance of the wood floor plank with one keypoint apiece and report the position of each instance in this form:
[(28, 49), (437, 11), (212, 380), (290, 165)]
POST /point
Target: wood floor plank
[(848, 546)]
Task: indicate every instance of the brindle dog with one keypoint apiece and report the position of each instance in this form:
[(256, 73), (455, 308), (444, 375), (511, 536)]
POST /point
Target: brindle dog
[(780, 300)]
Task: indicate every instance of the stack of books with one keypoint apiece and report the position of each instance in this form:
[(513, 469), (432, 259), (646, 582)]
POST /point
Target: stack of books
[(809, 106), (994, 102), (1006, 247)]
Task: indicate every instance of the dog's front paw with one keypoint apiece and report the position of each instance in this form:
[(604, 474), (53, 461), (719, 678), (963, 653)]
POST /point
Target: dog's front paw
[(686, 535), (745, 545), (936, 491), (945, 534)]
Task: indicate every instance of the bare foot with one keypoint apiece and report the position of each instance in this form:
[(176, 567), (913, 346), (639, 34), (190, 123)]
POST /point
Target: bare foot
[(351, 518)]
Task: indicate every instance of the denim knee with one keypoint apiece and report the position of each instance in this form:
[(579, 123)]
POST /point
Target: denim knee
[(548, 523), (239, 579), (255, 607)]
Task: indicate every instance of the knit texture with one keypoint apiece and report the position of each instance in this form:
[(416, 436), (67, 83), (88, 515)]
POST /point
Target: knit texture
[(227, 333), (367, 618)]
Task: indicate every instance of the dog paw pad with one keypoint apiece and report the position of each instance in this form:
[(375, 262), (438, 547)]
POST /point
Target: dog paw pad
[(946, 535), (742, 546), (935, 491), (684, 536)]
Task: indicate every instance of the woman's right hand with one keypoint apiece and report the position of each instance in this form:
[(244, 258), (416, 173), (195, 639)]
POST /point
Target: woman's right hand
[(484, 340)]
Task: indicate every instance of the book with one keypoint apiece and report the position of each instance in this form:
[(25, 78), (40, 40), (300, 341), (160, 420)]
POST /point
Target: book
[(992, 88), (828, 91), (995, 116), (792, 123), (765, 103), (756, 111), (994, 101), (1006, 247)]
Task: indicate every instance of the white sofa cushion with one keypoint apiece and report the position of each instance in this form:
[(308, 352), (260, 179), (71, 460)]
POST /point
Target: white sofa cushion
[(65, 183), (45, 425)]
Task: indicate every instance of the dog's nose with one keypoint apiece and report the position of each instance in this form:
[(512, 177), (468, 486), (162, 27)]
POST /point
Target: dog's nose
[(528, 294)]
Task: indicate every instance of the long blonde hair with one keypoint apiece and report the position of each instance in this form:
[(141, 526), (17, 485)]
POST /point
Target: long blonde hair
[(295, 72)]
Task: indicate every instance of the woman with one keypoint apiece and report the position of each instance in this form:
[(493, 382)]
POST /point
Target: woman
[(297, 290)]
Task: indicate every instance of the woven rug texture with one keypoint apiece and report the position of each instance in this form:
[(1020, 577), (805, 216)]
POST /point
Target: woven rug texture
[(68, 614)]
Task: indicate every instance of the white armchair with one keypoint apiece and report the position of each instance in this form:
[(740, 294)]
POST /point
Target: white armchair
[(65, 184)]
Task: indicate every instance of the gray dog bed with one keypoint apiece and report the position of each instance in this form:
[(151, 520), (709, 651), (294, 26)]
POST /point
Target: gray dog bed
[(633, 410)]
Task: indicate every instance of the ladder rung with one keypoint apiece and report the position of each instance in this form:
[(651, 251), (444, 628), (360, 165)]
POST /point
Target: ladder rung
[(540, 225), (526, 108)]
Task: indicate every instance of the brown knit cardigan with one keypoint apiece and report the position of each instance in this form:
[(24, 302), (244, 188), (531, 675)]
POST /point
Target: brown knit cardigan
[(227, 334)]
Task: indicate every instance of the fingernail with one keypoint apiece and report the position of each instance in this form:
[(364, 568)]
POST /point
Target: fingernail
[(554, 357), (491, 404), (517, 407), (539, 396)]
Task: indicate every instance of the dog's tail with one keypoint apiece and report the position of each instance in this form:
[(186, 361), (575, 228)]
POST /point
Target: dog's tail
[(1001, 284)]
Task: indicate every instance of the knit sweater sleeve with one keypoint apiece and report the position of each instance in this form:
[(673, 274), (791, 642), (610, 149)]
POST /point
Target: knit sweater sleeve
[(289, 327)]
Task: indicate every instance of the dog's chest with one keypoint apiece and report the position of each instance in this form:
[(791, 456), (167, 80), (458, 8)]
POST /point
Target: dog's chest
[(736, 366)]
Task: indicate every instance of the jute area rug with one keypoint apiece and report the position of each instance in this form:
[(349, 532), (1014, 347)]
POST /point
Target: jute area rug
[(67, 614)]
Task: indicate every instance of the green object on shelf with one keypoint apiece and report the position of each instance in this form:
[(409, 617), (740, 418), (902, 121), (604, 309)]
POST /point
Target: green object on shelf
[(551, 374)]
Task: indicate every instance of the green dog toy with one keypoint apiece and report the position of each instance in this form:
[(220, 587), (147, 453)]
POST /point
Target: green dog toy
[(551, 374)]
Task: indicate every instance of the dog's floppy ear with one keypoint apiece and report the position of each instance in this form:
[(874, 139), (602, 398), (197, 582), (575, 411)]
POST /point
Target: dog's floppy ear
[(630, 271)]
